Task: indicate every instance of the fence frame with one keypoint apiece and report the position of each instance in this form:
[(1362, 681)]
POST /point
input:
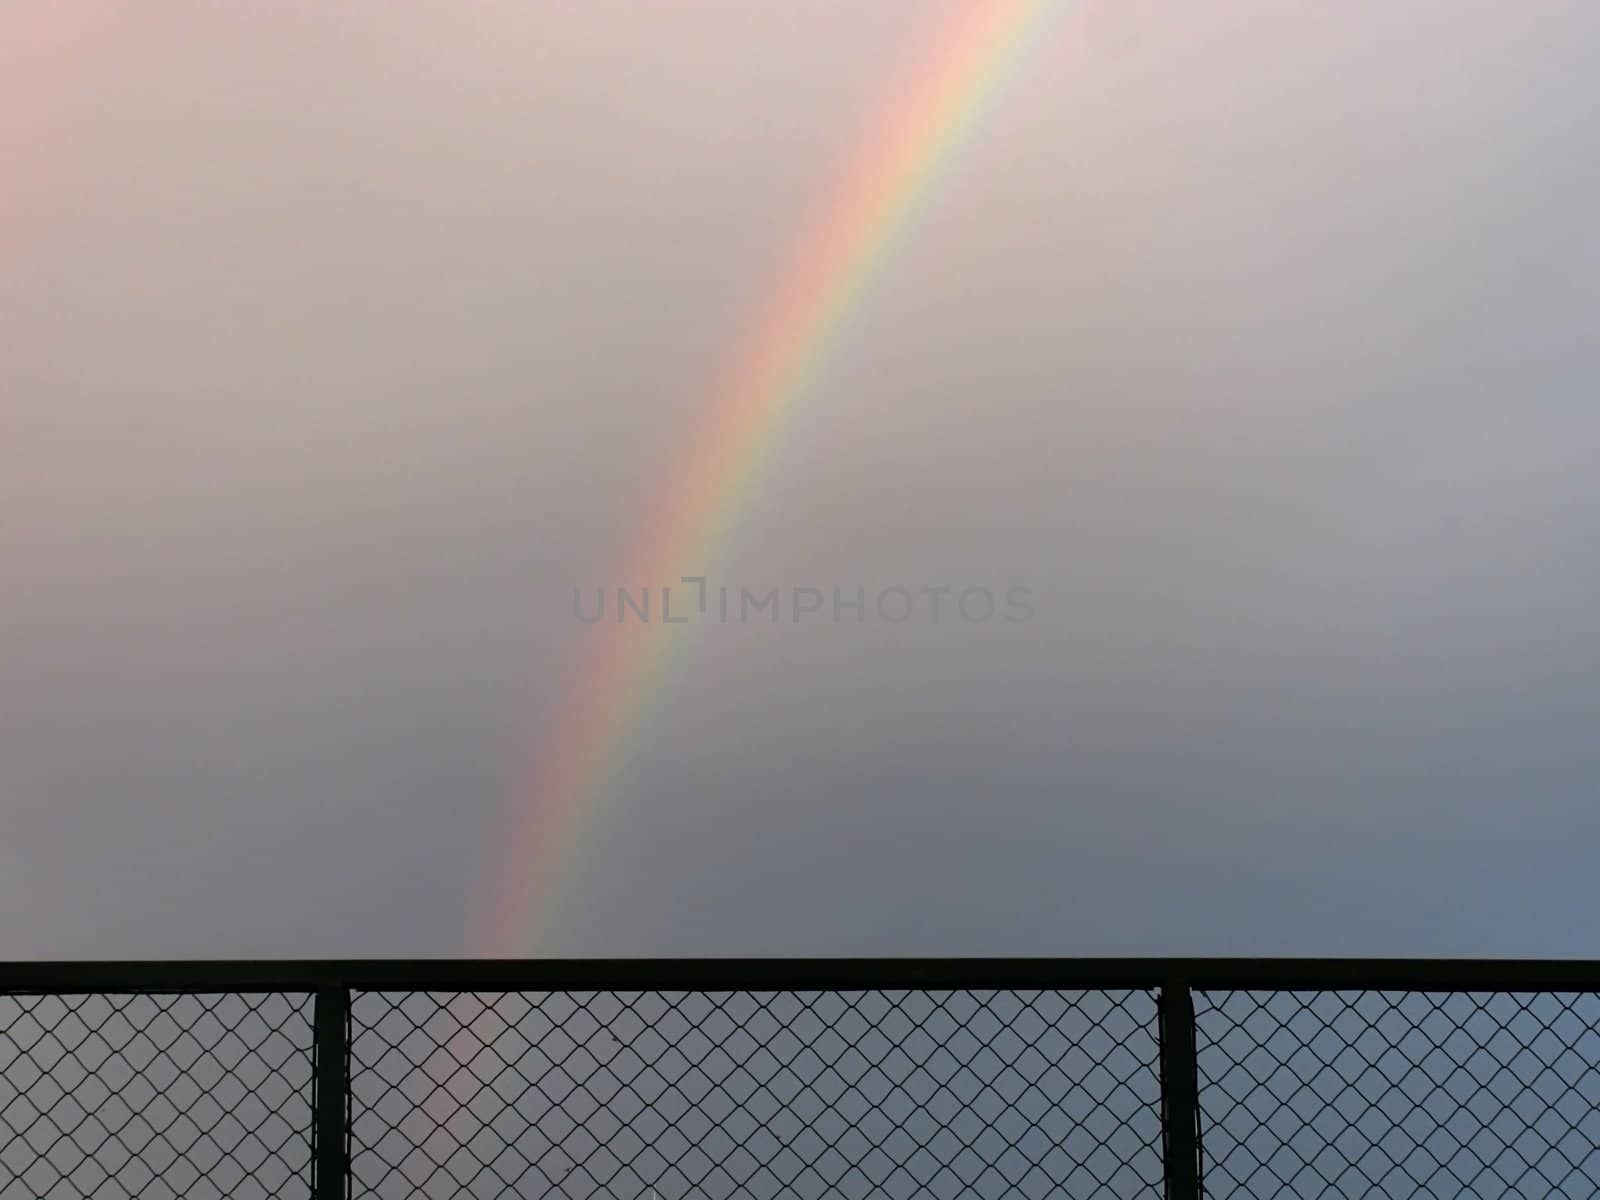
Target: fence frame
[(1172, 980)]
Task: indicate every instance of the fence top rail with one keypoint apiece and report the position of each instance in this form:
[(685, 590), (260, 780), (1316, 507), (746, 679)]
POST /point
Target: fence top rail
[(803, 974)]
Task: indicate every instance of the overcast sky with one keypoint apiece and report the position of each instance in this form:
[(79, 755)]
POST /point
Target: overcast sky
[(339, 343)]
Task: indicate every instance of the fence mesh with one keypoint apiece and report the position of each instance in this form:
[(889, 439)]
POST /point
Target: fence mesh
[(1399, 1094), (798, 1095), (893, 1094), (158, 1096)]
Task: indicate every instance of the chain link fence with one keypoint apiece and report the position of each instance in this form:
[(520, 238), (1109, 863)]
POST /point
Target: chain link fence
[(800, 1080), (801, 1095), (1371, 1093), (157, 1096)]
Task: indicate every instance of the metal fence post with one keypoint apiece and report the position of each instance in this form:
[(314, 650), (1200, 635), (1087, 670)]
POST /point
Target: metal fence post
[(331, 1171), (1180, 1093)]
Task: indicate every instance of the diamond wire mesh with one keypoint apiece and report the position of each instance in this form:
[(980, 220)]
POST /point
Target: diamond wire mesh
[(155, 1096), (800, 1095), (1399, 1094)]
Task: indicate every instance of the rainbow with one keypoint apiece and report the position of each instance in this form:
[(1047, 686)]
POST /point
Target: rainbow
[(818, 289)]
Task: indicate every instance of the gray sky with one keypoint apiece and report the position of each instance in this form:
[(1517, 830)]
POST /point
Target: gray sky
[(338, 343)]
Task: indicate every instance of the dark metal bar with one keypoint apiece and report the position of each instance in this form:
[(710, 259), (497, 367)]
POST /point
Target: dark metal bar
[(783, 974), (1180, 1093), (331, 1161)]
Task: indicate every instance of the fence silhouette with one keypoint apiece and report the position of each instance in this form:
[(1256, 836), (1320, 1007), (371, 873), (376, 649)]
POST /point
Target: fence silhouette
[(800, 1079)]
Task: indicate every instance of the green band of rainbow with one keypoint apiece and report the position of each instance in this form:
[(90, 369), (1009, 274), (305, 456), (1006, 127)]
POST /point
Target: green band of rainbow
[(913, 139)]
